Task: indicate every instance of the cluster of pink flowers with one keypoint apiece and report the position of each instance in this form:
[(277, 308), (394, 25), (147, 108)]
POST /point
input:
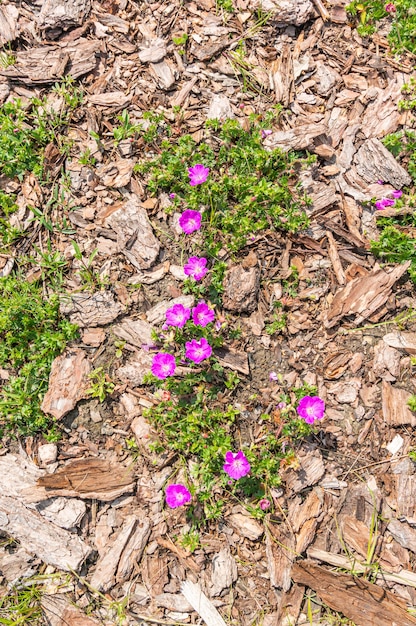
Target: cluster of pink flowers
[(386, 202), (236, 466), (164, 364)]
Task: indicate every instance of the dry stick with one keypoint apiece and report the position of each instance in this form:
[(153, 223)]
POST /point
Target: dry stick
[(322, 10)]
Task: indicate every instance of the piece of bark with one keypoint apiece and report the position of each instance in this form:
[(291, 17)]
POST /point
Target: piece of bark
[(280, 552), (245, 526), (135, 238), (382, 115), (17, 565), (155, 573), (401, 341), (136, 332), (136, 368), (297, 138), (133, 550), (404, 534), (295, 12), (363, 296), (282, 75), (48, 63), (9, 15), (356, 535), (53, 545), (151, 276), (301, 512), (335, 260), (237, 361), (179, 98), (173, 602), (68, 382), (220, 108), (374, 162), (89, 478), (359, 600), (201, 604), (386, 363), (224, 572), (64, 512), (336, 364), (155, 52), (241, 287), (86, 309), (58, 610), (104, 575), (109, 99), (184, 557), (394, 404), (290, 605), (59, 15), (311, 469), (163, 74), (116, 173)]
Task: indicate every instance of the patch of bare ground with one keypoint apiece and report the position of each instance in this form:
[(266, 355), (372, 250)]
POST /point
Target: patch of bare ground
[(89, 505)]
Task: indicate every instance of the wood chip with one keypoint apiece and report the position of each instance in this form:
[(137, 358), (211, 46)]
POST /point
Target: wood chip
[(374, 162), (58, 15), (394, 404), (89, 478), (363, 296), (199, 601), (280, 552), (68, 382), (95, 309), (136, 332), (224, 572), (359, 600), (298, 138), (245, 526), (401, 341), (237, 361), (59, 610)]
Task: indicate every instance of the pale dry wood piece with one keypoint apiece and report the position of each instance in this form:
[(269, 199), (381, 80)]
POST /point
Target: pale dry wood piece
[(336, 364), (179, 98), (16, 565), (164, 74), (401, 341), (89, 478), (297, 138), (113, 22), (68, 382), (8, 23), (104, 575), (295, 12), (335, 260), (156, 314), (220, 108), (374, 162), (117, 173), (86, 309), (356, 535), (64, 512), (363, 296), (135, 238), (136, 332), (245, 526), (237, 361), (290, 605), (58, 15), (404, 577), (322, 194), (306, 535), (309, 473), (152, 276), (281, 76), (58, 610), (48, 63), (359, 600), (109, 99), (301, 512), (136, 368), (133, 550), (155, 52), (404, 534), (53, 545), (326, 78), (280, 553), (382, 115), (352, 214), (201, 604), (386, 362), (224, 572), (241, 287), (174, 602), (155, 573), (394, 405)]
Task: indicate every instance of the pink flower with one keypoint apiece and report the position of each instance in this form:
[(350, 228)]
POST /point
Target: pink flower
[(202, 314), (383, 203), (397, 193), (236, 465), (265, 133), (380, 182), (198, 351), (172, 196), (190, 221), (177, 315), (196, 267), (390, 8), (198, 174), (264, 504), (177, 495), (163, 365), (311, 408), (272, 376)]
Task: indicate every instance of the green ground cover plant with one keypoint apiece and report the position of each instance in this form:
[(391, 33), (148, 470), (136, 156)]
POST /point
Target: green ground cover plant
[(251, 189), (32, 334), (402, 35)]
